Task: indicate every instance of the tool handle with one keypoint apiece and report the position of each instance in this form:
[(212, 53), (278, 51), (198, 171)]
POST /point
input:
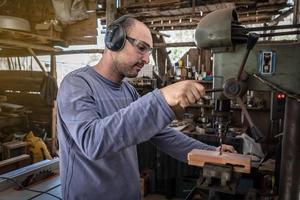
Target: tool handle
[(214, 90)]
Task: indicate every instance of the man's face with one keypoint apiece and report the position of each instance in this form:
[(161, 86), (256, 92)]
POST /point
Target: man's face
[(131, 59)]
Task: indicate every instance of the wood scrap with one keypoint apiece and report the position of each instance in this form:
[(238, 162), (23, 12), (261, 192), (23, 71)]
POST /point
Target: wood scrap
[(14, 163)]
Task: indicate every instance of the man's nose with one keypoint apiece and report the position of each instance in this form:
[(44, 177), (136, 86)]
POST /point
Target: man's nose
[(146, 58)]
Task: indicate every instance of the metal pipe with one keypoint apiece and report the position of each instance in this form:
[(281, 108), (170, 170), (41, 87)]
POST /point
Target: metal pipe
[(279, 33), (263, 28), (289, 186)]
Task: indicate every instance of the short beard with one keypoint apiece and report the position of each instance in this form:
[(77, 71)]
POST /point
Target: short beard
[(116, 67)]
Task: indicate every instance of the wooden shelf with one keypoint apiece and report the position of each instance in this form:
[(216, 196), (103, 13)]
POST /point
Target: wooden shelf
[(30, 37), (16, 42)]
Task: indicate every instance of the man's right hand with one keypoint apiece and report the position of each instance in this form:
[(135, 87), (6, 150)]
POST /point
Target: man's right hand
[(183, 93)]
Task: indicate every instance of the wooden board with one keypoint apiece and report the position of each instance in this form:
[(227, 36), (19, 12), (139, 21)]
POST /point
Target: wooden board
[(14, 163), (6, 121), (241, 163)]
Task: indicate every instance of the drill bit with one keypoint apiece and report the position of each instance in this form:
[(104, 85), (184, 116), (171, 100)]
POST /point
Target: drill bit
[(221, 145)]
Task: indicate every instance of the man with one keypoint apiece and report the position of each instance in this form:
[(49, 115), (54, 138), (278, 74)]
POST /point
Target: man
[(101, 119)]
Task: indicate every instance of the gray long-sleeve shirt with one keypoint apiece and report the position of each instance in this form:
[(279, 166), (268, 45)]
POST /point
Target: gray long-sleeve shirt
[(99, 124)]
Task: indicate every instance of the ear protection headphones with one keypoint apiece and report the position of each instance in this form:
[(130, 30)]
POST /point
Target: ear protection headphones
[(115, 35)]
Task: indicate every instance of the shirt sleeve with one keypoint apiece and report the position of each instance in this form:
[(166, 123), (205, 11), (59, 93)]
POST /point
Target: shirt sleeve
[(96, 136), (177, 144)]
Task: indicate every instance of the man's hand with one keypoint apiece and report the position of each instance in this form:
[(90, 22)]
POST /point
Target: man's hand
[(183, 93), (227, 148)]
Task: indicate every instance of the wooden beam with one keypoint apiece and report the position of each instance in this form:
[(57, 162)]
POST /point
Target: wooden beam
[(241, 163), (175, 44), (171, 18), (193, 7), (38, 61), (257, 19), (54, 109), (110, 12), (133, 4), (22, 53), (159, 33), (80, 51), (16, 43), (185, 24), (167, 11), (169, 28), (161, 59), (34, 38)]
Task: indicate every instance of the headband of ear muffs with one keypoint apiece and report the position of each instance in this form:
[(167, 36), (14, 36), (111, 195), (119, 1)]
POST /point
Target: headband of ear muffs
[(115, 35)]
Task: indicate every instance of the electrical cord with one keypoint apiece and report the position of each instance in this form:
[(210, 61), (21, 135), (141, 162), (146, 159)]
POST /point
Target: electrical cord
[(24, 188)]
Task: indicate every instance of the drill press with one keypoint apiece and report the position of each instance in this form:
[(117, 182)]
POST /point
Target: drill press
[(221, 115)]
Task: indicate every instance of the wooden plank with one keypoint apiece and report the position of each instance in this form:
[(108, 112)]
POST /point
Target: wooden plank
[(25, 99), (30, 37), (22, 86), (9, 107), (170, 28), (158, 45), (241, 163), (166, 11), (14, 163), (16, 43), (6, 121), (152, 4), (11, 74), (172, 18), (174, 25), (22, 81)]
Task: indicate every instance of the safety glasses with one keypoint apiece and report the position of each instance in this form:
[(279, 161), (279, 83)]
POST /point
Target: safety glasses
[(142, 46)]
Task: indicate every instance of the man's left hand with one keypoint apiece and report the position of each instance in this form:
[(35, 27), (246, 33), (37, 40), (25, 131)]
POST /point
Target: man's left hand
[(227, 148)]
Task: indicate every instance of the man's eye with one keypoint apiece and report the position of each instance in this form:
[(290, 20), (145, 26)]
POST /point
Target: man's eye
[(142, 48)]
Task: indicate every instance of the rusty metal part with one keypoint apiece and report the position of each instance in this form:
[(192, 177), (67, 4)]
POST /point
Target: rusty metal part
[(14, 23)]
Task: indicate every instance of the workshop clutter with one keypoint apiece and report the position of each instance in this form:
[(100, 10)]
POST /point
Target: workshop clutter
[(13, 148), (49, 28)]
